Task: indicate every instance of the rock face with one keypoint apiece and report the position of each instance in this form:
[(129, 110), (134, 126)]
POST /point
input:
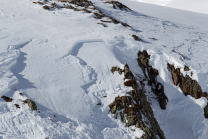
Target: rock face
[(206, 111), (176, 74), (190, 87), (119, 5), (31, 104), (135, 108), (7, 99), (158, 89), (187, 85)]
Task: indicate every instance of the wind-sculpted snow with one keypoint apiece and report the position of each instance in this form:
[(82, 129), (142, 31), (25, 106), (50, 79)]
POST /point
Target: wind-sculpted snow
[(75, 48), (61, 60), (11, 65), (19, 67)]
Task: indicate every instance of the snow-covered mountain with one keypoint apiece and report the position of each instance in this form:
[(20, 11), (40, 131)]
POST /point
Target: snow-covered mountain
[(199, 6), (60, 56)]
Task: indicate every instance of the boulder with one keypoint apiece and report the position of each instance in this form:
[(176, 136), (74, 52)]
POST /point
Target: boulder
[(46, 7), (186, 68), (7, 99), (31, 104), (136, 38)]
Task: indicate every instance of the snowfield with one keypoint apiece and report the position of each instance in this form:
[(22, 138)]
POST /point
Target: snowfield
[(199, 6), (61, 59)]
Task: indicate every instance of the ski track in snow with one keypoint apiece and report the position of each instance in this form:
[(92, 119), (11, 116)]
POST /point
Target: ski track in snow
[(70, 87)]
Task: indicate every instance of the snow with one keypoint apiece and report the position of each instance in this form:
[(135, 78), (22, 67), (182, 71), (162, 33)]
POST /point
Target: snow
[(199, 6), (61, 60), (170, 14)]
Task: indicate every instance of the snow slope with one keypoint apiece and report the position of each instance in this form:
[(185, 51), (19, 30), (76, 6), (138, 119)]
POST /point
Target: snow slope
[(61, 59), (199, 6), (174, 15)]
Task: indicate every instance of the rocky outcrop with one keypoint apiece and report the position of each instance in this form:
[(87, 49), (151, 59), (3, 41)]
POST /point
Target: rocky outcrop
[(206, 111), (136, 38), (186, 68), (31, 104), (88, 7), (119, 5), (190, 87), (187, 84), (17, 106), (176, 74), (157, 88), (135, 108), (7, 99), (46, 7)]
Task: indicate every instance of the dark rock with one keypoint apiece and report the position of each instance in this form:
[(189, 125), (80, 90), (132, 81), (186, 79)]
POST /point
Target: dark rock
[(99, 104), (113, 69), (125, 24), (187, 85), (54, 5), (152, 73), (122, 117), (159, 91), (186, 68), (115, 116), (63, 0), (17, 106), (7, 99), (99, 16), (41, 3), (127, 73), (119, 5), (143, 61), (191, 87), (46, 7), (115, 21), (68, 7), (31, 104), (130, 83), (152, 39), (137, 110), (204, 94), (102, 24), (176, 74), (206, 111), (87, 11), (133, 93), (181, 55), (136, 38)]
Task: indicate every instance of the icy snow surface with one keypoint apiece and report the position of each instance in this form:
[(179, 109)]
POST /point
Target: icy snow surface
[(61, 59)]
